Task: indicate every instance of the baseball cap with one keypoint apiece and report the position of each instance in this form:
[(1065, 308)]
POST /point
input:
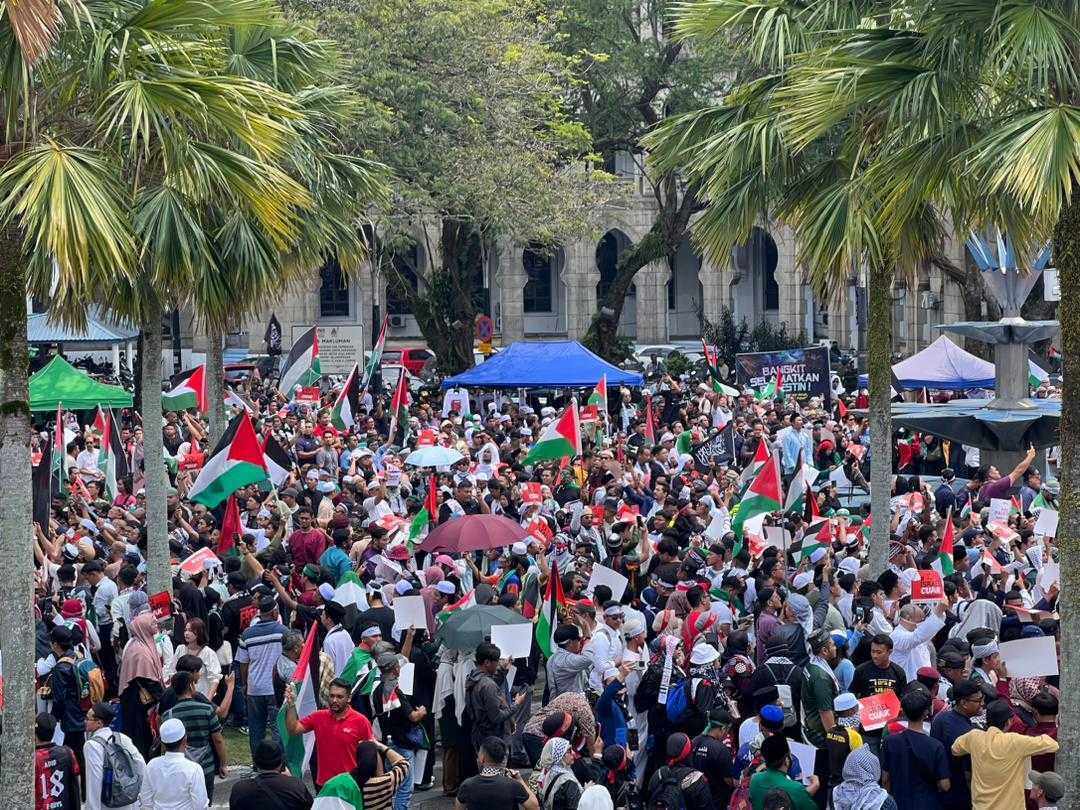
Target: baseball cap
[(1050, 783), (771, 717)]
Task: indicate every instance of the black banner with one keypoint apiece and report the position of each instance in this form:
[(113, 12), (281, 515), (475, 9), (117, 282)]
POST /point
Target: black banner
[(272, 337), (718, 449), (804, 372)]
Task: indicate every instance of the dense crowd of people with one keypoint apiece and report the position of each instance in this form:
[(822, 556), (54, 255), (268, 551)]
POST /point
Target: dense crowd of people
[(745, 664)]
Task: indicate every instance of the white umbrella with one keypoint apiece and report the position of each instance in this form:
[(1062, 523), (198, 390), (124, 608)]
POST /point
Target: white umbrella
[(434, 456)]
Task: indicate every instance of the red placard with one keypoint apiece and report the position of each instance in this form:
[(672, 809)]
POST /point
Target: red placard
[(161, 605), (310, 394), (247, 616), (928, 587), (877, 711), (531, 494)]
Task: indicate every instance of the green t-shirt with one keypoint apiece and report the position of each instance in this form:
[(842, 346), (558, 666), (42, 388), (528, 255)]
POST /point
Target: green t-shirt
[(818, 692), (767, 780)]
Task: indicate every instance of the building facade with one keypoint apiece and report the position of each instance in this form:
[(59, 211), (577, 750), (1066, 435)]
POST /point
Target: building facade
[(537, 293)]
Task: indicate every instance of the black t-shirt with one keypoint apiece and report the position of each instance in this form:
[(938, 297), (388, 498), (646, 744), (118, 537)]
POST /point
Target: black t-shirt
[(713, 758), (491, 793), (270, 791), (869, 679)]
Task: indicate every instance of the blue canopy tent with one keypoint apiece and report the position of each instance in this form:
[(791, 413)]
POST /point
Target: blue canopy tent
[(545, 364)]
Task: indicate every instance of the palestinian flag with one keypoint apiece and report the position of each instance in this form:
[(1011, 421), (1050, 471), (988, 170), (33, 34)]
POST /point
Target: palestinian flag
[(548, 616), (761, 455), (820, 538), (376, 354), (841, 409), (944, 562), (99, 421), (598, 400), (297, 749), (428, 512), (399, 408), (1039, 502), (236, 462), (761, 498), (277, 460), (684, 443), (343, 415), (188, 391), (774, 390), (650, 427), (560, 439), (341, 793), (237, 402), (231, 528), (349, 590), (466, 601), (795, 499), (302, 365), (112, 460), (58, 462), (361, 671)]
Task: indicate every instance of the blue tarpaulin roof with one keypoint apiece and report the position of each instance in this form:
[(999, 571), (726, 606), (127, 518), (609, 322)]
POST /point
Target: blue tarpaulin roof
[(547, 364)]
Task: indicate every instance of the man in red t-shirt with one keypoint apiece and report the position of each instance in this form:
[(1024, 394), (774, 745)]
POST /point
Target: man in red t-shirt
[(56, 771), (338, 730), (307, 543)]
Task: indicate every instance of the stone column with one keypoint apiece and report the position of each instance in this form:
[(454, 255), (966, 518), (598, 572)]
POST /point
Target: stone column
[(715, 283), (580, 277), (789, 278), (652, 302), (512, 280)]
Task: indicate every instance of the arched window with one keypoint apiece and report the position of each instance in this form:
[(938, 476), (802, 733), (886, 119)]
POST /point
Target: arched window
[(334, 293), (608, 251), (538, 288), (766, 257)]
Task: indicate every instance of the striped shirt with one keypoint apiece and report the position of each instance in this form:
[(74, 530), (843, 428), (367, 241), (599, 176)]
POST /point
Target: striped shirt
[(200, 721), (379, 790), (260, 648)]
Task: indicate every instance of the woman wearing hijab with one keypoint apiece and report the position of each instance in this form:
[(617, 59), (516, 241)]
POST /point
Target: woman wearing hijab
[(557, 787), (861, 788), (141, 682), (595, 797)]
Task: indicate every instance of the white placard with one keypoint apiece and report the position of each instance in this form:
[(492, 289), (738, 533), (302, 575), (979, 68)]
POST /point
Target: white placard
[(717, 527), (1030, 657), (1049, 574), (409, 611), (513, 640), (386, 569), (1047, 523), (805, 754), (999, 510), (778, 537), (406, 677), (602, 575)]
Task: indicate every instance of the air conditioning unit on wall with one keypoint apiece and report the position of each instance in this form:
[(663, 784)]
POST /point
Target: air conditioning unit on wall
[(928, 300), (397, 321)]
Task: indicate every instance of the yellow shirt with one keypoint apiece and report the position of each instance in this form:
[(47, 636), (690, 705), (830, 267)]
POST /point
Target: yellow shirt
[(999, 765)]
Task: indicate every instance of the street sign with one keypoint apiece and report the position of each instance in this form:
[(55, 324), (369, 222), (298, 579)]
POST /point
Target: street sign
[(1051, 285)]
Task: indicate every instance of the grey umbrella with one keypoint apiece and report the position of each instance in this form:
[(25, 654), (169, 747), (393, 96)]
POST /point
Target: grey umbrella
[(469, 626)]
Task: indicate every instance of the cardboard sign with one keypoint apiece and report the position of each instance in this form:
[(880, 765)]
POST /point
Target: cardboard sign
[(407, 677), (877, 711), (1049, 575), (1030, 657), (409, 611), (602, 575), (532, 494), (928, 588), (161, 605), (310, 394), (513, 640), (999, 510), (1047, 523), (198, 562), (393, 477)]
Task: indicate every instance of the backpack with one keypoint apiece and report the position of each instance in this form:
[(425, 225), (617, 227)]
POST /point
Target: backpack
[(667, 795), (678, 702), (740, 797), (91, 683), (121, 778)]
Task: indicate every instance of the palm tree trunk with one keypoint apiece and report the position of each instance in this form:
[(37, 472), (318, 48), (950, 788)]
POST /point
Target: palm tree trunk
[(157, 533), (16, 515), (878, 349), (215, 380), (1067, 260)]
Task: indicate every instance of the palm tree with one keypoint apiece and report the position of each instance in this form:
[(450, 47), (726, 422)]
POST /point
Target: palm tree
[(749, 164), (114, 190), (980, 108)]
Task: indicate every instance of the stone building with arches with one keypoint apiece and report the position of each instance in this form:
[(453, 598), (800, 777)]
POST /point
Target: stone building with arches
[(535, 292)]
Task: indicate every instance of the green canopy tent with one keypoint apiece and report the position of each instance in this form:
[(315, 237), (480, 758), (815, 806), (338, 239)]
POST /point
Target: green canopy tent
[(61, 383)]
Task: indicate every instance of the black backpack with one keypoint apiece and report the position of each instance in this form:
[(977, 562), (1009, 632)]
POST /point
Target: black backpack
[(667, 793)]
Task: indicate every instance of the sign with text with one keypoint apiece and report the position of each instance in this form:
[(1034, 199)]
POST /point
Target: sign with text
[(803, 372), (928, 588), (339, 346), (532, 493), (877, 711), (718, 449)]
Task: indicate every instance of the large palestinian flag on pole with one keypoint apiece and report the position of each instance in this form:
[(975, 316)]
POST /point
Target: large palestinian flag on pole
[(548, 616), (428, 512), (560, 439), (188, 391), (599, 398), (399, 407), (762, 497), (761, 455), (944, 562), (112, 460), (774, 390), (343, 414), (297, 748), (277, 461), (236, 462), (302, 365), (376, 355)]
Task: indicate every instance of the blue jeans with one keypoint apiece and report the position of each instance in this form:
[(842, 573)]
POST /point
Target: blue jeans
[(262, 713), (403, 794)]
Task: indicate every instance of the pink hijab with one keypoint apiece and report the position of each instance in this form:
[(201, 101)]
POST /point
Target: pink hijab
[(433, 575), (141, 658)]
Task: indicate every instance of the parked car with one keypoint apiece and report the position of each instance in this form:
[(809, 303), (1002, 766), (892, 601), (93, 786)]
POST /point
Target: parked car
[(413, 358)]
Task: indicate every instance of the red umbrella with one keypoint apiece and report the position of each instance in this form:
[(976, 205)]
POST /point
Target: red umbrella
[(473, 533)]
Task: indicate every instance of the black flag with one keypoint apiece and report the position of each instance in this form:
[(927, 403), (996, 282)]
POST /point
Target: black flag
[(41, 481), (718, 449), (272, 337)]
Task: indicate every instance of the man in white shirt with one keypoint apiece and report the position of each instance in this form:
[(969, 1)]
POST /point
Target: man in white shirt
[(607, 645), (338, 644), (87, 460), (913, 638), (172, 781), (98, 737)]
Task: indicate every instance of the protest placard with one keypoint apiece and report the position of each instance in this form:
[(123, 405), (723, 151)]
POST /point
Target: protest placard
[(602, 575), (999, 510), (928, 588), (409, 611), (531, 494), (1047, 523), (1049, 575), (878, 710), (513, 640), (406, 677), (805, 754), (1030, 657)]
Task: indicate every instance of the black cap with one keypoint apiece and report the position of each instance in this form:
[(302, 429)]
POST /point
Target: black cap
[(60, 635), (104, 712), (818, 640), (267, 604), (236, 579), (267, 756), (566, 632), (44, 727)]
